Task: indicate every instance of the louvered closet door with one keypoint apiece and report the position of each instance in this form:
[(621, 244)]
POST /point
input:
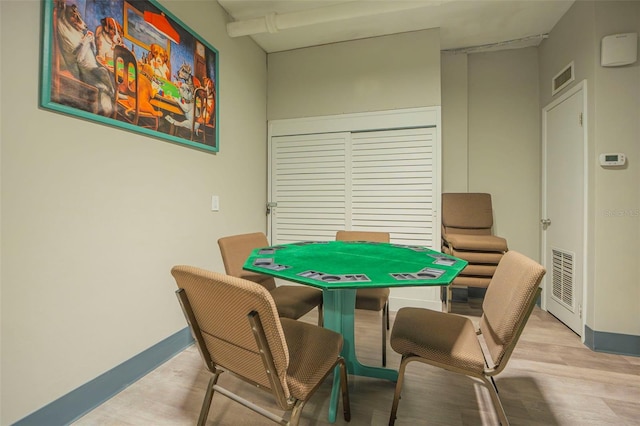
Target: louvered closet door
[(308, 183), (379, 180), (393, 184)]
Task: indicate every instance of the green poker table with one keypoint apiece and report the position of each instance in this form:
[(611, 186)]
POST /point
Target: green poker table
[(339, 268), (331, 265)]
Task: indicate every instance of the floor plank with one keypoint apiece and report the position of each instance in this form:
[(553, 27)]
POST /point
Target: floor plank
[(551, 379)]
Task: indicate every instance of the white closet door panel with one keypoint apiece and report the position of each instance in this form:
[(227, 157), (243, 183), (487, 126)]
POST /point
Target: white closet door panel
[(308, 184), (412, 208), (398, 164), (392, 183), (396, 190)]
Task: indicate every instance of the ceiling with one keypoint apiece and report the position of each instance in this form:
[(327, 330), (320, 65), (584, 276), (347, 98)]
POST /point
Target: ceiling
[(470, 25)]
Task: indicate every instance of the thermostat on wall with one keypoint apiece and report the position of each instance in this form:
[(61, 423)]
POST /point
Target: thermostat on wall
[(613, 159)]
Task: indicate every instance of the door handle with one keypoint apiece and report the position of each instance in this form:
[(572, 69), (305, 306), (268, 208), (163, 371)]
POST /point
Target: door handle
[(545, 223), (271, 204)]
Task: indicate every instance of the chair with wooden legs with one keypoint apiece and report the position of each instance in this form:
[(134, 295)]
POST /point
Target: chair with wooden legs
[(293, 301), (451, 342), (237, 329), (372, 299)]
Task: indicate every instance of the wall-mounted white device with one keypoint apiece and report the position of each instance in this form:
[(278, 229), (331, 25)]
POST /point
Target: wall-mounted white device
[(612, 159), (619, 49)]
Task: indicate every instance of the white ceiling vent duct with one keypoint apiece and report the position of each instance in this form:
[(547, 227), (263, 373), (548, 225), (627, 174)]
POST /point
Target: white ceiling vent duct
[(273, 22)]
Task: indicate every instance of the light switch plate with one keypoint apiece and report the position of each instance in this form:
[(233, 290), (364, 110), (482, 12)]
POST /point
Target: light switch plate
[(215, 203)]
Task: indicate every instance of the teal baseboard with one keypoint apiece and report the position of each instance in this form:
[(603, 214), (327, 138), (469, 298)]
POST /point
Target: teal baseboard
[(80, 401), (613, 343)]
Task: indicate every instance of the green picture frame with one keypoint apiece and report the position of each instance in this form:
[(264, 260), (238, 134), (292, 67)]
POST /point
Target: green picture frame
[(130, 64)]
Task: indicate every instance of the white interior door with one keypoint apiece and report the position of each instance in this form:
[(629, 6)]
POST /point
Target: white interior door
[(563, 223)]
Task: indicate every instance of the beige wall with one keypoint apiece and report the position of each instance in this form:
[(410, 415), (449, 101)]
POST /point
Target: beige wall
[(491, 137), (617, 192), (455, 126), (94, 217), (381, 73), (504, 142), (613, 114)]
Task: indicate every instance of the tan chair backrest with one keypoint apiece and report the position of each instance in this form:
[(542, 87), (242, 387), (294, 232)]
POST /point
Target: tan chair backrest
[(374, 236), (467, 213), (508, 302), (235, 250), (221, 305)]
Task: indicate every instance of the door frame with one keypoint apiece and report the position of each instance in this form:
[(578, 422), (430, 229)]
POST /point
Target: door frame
[(546, 283)]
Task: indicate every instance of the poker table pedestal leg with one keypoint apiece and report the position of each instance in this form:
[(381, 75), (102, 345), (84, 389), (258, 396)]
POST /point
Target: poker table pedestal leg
[(339, 314)]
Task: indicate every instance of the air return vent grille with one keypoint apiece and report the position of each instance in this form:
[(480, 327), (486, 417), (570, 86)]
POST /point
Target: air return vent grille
[(562, 79), (562, 276)]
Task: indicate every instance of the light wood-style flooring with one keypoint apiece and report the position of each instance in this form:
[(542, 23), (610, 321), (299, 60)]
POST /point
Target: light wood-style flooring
[(551, 379)]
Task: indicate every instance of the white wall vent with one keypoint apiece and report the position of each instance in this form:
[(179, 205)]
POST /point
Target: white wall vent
[(562, 79), (562, 278)]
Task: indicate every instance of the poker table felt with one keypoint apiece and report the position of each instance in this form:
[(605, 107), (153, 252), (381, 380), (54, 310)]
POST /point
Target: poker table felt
[(355, 264)]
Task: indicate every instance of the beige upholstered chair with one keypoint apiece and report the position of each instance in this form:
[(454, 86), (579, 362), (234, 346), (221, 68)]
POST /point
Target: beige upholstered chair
[(467, 221), (237, 329), (293, 301), (449, 341), (371, 299)]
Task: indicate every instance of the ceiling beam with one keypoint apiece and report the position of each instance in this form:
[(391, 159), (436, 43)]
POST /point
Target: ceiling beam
[(274, 22)]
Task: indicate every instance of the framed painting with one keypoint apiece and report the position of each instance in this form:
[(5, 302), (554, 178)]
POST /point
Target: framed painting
[(130, 64)]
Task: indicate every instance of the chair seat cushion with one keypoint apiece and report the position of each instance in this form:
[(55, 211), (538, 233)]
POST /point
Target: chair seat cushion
[(476, 242), (479, 270), (485, 257), (464, 281), (313, 350), (371, 299), (294, 301), (442, 338)]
